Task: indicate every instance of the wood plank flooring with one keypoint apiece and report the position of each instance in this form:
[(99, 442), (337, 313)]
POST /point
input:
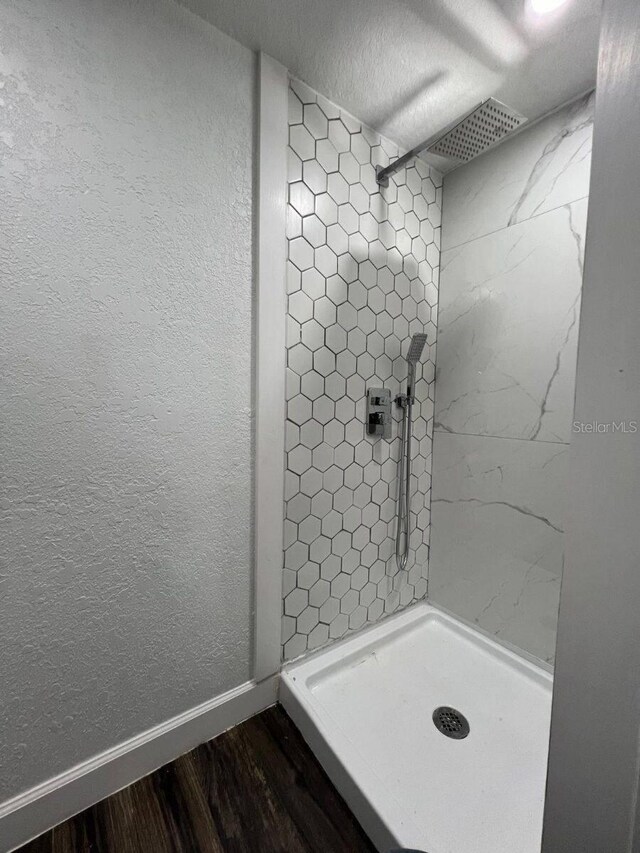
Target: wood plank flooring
[(255, 789)]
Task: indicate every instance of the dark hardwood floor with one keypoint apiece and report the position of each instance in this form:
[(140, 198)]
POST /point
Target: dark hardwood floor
[(256, 788)]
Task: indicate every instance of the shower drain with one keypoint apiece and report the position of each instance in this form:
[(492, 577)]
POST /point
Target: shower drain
[(450, 722)]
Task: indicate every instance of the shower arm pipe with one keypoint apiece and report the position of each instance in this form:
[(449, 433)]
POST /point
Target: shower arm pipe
[(383, 175)]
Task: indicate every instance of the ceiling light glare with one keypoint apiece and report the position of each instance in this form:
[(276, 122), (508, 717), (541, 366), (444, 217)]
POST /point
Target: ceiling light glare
[(544, 7)]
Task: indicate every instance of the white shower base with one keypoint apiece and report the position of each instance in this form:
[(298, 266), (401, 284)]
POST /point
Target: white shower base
[(365, 708)]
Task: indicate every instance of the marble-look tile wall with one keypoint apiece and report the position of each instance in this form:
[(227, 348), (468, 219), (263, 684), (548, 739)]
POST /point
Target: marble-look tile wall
[(511, 274), (362, 278)]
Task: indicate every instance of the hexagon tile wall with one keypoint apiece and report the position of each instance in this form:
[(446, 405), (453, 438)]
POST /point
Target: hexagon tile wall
[(362, 278)]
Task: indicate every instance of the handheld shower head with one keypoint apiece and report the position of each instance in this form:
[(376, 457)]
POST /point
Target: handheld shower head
[(414, 353), (415, 347)]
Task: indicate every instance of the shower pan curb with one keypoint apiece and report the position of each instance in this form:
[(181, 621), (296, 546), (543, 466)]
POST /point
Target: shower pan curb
[(359, 736)]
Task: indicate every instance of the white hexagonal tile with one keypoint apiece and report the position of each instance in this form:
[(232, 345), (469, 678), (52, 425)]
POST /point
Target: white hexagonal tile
[(349, 167), (359, 200), (302, 142), (356, 384), (340, 585), (347, 268), (348, 218), (327, 155), (358, 247), (296, 646), (323, 409), (347, 316), (294, 108), (368, 227), (299, 358), (328, 108), (322, 457), (319, 593), (357, 341), (338, 188), (314, 176), (338, 627), (308, 575), (309, 529), (326, 261), (320, 548), (428, 190), (294, 278), (377, 314), (339, 136), (319, 636), (311, 433), (296, 556), (412, 224), (294, 223), (426, 232), (321, 504), (326, 209), (337, 239), (307, 620), (341, 543), (360, 148), (304, 92), (312, 337), (368, 179), (345, 410), (334, 433), (353, 475), (315, 121), (332, 480), (301, 253), (336, 340), (335, 385), (351, 560), (349, 601), (314, 230), (299, 459), (301, 198)]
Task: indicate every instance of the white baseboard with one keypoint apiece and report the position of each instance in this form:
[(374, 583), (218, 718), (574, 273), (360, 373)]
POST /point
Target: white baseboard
[(34, 811)]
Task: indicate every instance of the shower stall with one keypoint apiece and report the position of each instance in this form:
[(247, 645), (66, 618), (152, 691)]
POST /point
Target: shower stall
[(423, 516)]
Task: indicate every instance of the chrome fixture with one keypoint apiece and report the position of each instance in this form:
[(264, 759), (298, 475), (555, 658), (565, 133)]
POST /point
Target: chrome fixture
[(379, 412), (486, 125), (405, 401)]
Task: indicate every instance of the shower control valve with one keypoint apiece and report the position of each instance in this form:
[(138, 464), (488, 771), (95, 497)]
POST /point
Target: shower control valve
[(379, 412)]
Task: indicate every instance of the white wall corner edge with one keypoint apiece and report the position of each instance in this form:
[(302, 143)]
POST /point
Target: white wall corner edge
[(270, 364), (31, 813)]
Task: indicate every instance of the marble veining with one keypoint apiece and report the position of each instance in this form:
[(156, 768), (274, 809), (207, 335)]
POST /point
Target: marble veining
[(509, 305), (497, 535), (507, 336)]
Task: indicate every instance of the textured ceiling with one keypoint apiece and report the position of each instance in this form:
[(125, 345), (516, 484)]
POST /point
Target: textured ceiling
[(410, 67)]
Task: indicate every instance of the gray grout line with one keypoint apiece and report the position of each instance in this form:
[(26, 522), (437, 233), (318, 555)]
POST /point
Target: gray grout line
[(502, 437), (514, 225)]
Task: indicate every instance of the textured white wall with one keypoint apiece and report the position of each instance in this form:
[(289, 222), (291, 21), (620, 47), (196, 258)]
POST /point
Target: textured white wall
[(126, 175)]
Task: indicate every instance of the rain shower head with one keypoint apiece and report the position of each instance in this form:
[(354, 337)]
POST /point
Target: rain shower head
[(415, 347), (485, 126)]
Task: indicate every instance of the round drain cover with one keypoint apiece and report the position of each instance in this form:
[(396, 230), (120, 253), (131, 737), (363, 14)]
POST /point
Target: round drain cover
[(450, 722)]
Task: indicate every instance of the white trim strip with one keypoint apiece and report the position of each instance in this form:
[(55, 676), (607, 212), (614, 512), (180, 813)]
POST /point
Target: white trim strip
[(270, 366), (33, 812)]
